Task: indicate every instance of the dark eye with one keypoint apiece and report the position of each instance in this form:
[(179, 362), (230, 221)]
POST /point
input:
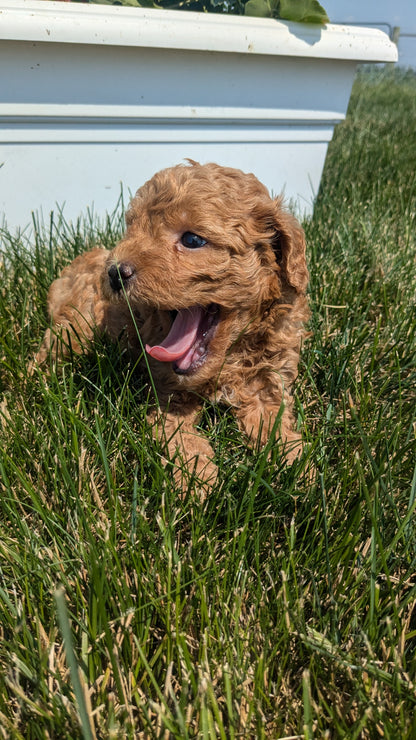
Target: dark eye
[(192, 241)]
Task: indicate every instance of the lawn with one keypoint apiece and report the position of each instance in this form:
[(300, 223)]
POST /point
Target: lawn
[(279, 607)]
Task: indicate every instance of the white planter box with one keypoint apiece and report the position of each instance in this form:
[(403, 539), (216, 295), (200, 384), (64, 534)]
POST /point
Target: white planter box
[(397, 19), (94, 96)]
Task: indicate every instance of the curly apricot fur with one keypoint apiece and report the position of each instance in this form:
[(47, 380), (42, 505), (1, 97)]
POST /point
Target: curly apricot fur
[(252, 266)]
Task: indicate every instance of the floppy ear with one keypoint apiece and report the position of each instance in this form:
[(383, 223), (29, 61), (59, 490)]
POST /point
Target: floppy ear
[(289, 248)]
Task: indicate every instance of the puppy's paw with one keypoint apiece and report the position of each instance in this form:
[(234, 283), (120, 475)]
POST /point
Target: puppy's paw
[(292, 447), (197, 475)]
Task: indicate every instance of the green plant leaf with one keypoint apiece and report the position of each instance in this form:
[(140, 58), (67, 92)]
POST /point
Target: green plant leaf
[(302, 11), (259, 8), (132, 3)]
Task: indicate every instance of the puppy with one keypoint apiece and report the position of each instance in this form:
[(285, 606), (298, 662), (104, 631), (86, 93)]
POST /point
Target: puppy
[(208, 285)]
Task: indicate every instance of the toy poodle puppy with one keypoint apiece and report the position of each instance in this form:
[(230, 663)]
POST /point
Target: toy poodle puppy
[(208, 286)]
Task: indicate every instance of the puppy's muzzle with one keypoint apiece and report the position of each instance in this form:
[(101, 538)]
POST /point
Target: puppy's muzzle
[(120, 275)]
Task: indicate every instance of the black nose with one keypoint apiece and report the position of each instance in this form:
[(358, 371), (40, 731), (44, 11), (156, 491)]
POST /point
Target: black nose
[(119, 275)]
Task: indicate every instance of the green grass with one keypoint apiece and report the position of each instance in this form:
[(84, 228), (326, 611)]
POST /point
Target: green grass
[(277, 607)]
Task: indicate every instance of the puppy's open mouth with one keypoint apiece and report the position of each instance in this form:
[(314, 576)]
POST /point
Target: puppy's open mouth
[(186, 345)]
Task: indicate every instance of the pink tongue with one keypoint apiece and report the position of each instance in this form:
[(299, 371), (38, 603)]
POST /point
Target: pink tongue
[(181, 337)]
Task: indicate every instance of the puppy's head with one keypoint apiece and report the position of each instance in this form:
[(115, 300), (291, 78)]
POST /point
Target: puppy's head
[(209, 246)]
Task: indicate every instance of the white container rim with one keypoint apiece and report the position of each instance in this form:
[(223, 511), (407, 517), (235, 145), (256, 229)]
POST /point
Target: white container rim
[(74, 23)]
